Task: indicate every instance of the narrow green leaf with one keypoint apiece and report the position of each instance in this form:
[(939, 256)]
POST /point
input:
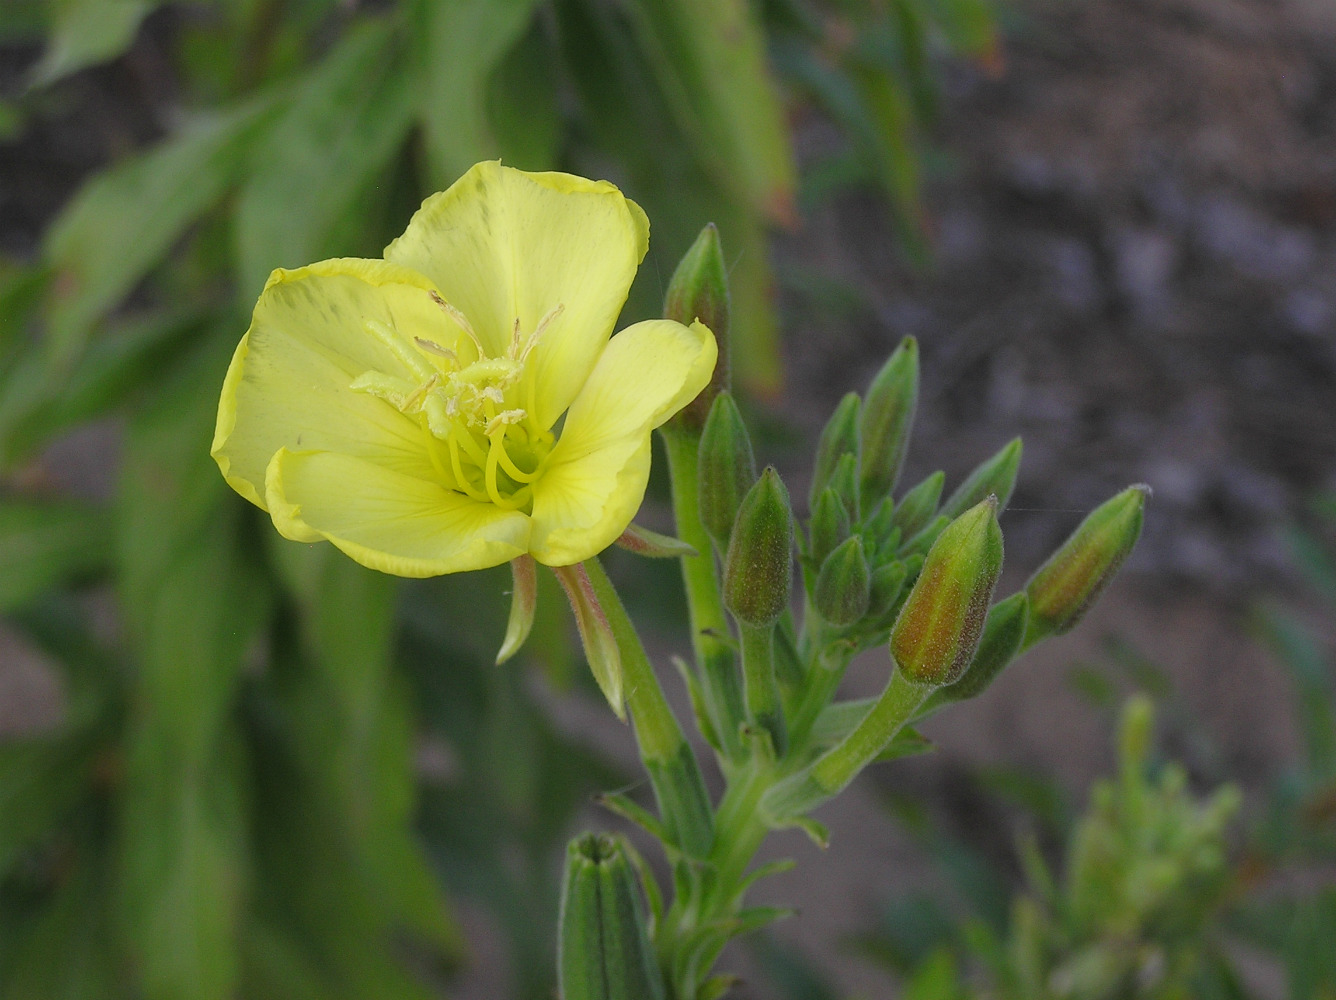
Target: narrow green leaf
[(86, 32), (44, 544)]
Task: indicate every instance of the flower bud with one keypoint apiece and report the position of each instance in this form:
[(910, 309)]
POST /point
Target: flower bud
[(829, 527), (603, 951), (995, 476), (843, 586), (877, 526), (1065, 587), (726, 468), (758, 569), (923, 540), (938, 629), (699, 291), (887, 582), (1001, 641), (887, 420), (839, 437), (918, 506), (844, 481)]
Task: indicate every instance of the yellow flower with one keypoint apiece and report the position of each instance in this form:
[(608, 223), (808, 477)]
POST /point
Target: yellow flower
[(410, 410)]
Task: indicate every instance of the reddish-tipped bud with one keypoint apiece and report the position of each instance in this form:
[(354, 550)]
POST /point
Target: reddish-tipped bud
[(699, 291), (726, 468), (995, 476), (887, 420), (758, 570), (1065, 587), (937, 631), (838, 438), (844, 584)]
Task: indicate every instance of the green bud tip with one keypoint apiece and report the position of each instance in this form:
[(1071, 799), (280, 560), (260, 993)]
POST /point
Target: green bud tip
[(843, 585), (699, 290), (937, 631), (829, 526), (995, 475), (1064, 588), (844, 481), (758, 569), (838, 438), (726, 468), (888, 420), (917, 507)]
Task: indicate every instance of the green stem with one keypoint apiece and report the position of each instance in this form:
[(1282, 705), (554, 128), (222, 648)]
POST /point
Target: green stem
[(672, 766), (760, 689), (709, 627)]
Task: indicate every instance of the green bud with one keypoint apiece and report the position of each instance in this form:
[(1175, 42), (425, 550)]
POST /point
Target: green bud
[(887, 582), (844, 584), (918, 506), (699, 290), (994, 477), (937, 631), (922, 541), (726, 468), (1064, 588), (603, 949), (829, 527), (844, 481), (758, 569), (839, 437), (887, 421), (1001, 641), (877, 526)]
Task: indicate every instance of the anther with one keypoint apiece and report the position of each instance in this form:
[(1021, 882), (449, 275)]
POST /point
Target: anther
[(460, 319), (431, 347)]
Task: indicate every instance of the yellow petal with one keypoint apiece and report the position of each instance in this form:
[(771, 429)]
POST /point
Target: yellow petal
[(502, 244), (594, 480), (288, 384), (386, 520)]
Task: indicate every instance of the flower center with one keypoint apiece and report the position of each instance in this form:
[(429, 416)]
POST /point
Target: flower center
[(474, 410)]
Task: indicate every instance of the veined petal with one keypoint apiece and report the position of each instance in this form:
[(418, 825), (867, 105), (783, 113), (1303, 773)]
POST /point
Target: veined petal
[(288, 384), (594, 480), (503, 245), (386, 520)]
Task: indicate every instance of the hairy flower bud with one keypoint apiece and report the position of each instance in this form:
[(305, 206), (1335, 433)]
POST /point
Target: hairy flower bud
[(887, 421), (1001, 641), (726, 468), (938, 629), (699, 291), (603, 952), (1065, 587), (838, 438), (758, 570), (995, 476), (844, 481), (917, 507), (829, 527), (843, 586)]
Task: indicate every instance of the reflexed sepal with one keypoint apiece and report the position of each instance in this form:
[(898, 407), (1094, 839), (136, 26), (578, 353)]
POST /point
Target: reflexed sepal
[(603, 949), (726, 468), (999, 645), (844, 584), (653, 545), (600, 645), (938, 628), (838, 438), (698, 290), (758, 570), (523, 604), (917, 507), (995, 476), (1065, 587), (887, 421)]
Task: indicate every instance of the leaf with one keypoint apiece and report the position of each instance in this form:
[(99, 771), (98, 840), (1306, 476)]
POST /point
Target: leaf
[(463, 41), (350, 115), (125, 220), (46, 543), (522, 110), (86, 32), (40, 782)]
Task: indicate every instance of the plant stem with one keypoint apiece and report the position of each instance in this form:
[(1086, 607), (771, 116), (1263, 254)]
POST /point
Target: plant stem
[(672, 766), (709, 627), (760, 689)]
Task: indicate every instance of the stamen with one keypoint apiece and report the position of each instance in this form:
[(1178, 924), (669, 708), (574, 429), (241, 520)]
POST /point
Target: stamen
[(493, 456), (512, 470), (457, 467), (514, 350), (431, 442), (502, 419), (460, 319), (397, 346), (431, 347), (413, 398), (542, 326)]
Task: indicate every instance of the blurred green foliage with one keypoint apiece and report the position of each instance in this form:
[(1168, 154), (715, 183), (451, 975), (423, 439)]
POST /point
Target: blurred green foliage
[(271, 765)]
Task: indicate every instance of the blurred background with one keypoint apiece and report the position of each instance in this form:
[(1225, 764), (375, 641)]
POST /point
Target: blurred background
[(235, 767)]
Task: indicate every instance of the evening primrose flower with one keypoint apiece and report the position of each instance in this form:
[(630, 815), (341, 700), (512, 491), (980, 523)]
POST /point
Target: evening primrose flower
[(460, 403)]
